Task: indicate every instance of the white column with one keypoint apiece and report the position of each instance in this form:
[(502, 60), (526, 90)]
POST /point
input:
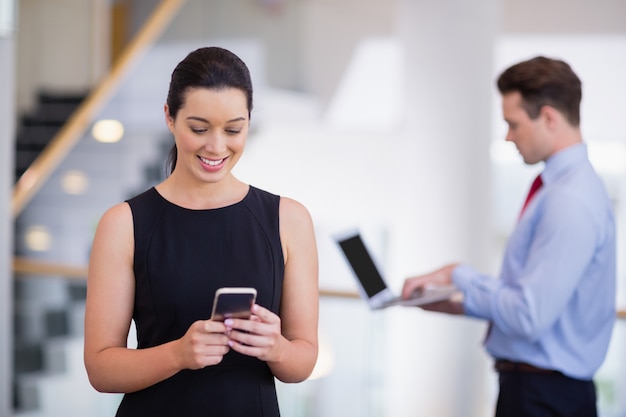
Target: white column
[(437, 363), (7, 134)]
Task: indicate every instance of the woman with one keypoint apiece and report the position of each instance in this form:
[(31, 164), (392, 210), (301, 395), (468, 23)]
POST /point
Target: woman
[(159, 258)]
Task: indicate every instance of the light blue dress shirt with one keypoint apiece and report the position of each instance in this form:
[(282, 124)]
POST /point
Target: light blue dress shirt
[(554, 304)]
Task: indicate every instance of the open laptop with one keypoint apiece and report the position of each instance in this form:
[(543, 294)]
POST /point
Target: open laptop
[(372, 286)]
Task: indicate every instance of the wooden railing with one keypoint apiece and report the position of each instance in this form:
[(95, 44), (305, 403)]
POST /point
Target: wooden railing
[(26, 266), (36, 175), (23, 266)]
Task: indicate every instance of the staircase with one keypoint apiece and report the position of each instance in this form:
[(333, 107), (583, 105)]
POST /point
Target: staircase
[(48, 311), (37, 128), (47, 342), (49, 375)]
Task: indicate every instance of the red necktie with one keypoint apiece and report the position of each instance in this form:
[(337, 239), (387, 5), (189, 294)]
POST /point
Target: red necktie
[(536, 185)]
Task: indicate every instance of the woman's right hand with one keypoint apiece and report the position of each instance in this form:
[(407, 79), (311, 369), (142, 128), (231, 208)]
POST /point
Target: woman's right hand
[(204, 344)]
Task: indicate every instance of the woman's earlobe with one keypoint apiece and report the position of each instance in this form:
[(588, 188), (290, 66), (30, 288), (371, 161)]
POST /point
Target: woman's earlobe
[(168, 118)]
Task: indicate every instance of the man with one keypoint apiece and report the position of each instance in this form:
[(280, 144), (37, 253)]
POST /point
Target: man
[(552, 310)]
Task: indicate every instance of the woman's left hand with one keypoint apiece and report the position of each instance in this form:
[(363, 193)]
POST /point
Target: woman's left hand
[(260, 336)]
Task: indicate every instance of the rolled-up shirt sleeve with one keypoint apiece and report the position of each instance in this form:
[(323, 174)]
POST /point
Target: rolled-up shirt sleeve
[(478, 290)]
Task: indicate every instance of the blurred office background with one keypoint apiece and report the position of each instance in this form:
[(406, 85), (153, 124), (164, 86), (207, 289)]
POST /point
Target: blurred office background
[(381, 115)]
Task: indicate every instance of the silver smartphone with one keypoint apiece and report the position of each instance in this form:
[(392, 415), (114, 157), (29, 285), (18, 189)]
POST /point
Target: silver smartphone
[(233, 302)]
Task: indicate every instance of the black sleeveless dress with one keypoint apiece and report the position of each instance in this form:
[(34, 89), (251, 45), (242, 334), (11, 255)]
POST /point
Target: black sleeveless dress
[(182, 257)]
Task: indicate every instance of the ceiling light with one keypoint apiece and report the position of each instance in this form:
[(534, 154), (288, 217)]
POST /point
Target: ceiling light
[(75, 182), (38, 238), (108, 130)]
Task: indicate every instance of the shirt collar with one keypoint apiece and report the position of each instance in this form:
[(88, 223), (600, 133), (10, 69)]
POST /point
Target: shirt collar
[(563, 161)]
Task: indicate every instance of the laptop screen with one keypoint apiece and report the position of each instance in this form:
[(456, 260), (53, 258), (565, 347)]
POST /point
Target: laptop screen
[(362, 265)]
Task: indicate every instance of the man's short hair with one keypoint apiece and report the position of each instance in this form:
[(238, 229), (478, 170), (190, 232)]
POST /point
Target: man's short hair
[(544, 81)]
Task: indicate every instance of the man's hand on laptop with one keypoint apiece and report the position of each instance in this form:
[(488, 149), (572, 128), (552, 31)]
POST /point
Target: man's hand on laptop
[(441, 277)]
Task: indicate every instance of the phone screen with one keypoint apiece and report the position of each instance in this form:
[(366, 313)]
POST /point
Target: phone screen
[(233, 303)]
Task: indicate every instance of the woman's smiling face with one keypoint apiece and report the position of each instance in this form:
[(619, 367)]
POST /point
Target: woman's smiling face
[(210, 131)]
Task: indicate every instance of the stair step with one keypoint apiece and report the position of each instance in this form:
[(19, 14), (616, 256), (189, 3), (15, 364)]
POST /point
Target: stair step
[(28, 358), (61, 97), (56, 113), (35, 136), (62, 394), (38, 128)]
